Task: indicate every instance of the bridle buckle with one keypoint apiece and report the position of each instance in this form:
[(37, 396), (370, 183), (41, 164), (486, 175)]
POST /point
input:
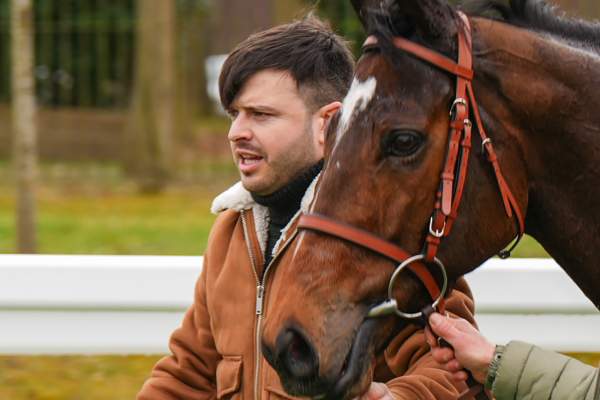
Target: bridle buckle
[(456, 102), (484, 142), (434, 232)]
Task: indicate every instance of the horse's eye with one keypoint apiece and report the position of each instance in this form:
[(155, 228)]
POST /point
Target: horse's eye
[(402, 143)]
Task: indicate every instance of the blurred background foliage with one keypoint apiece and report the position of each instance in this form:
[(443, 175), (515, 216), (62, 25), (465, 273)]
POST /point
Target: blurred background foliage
[(96, 146), (98, 188)]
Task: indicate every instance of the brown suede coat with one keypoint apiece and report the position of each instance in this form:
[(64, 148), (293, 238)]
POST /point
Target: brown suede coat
[(215, 353)]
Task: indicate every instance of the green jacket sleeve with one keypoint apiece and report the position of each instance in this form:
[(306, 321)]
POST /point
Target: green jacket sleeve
[(529, 372)]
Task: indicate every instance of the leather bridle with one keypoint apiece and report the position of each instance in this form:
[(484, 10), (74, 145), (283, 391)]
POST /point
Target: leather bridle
[(448, 196), (450, 190)]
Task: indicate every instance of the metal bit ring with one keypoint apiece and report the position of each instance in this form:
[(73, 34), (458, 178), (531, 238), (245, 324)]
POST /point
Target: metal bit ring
[(406, 263)]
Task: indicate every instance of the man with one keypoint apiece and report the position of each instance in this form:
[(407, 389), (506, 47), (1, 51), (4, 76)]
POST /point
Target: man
[(281, 88)]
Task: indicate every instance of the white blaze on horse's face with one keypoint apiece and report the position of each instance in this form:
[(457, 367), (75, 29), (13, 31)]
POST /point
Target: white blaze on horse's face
[(357, 99)]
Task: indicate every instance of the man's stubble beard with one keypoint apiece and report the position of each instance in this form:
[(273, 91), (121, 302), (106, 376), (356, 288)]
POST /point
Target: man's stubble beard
[(300, 156)]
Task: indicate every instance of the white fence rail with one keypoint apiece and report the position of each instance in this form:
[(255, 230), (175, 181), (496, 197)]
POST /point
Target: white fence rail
[(130, 304)]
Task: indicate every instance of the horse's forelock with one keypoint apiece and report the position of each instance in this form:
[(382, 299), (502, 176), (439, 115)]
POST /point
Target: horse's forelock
[(389, 20)]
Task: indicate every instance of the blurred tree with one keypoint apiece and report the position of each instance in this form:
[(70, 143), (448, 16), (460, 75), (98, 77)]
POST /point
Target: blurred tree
[(343, 19), (152, 110), (588, 9), (23, 122), (234, 20), (288, 10), (5, 58), (192, 43)]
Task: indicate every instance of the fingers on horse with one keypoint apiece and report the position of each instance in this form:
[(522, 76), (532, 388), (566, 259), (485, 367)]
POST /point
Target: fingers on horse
[(453, 366), (377, 391), (442, 354), (430, 338), (460, 376), (446, 327), (463, 325)]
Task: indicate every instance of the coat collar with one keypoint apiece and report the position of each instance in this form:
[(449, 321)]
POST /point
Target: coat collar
[(237, 198)]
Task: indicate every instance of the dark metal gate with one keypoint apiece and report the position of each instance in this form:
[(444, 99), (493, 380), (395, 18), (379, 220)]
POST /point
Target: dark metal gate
[(83, 52)]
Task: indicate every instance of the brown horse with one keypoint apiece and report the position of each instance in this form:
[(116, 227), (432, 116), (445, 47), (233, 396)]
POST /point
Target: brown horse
[(536, 80)]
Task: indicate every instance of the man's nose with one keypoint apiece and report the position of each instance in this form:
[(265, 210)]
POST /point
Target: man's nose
[(239, 130)]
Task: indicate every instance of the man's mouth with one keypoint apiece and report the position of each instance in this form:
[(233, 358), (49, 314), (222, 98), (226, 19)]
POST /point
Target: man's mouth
[(248, 162)]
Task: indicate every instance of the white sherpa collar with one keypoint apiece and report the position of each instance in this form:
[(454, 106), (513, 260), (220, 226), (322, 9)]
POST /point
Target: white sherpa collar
[(235, 198), (238, 198)]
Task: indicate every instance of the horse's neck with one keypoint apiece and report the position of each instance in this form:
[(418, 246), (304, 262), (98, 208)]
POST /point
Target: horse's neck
[(564, 205), (564, 216), (560, 114)]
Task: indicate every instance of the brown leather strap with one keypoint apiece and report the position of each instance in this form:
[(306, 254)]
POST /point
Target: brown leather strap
[(451, 199), (369, 241), (462, 178), (510, 203), (465, 58), (454, 173), (433, 57)]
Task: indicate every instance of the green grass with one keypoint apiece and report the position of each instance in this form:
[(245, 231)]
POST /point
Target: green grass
[(73, 378), (106, 215), (172, 223), (92, 378), (529, 248)]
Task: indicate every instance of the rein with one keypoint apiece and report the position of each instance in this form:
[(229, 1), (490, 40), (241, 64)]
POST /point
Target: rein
[(449, 193)]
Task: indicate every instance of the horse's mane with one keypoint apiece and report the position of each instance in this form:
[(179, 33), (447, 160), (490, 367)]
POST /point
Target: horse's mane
[(537, 15)]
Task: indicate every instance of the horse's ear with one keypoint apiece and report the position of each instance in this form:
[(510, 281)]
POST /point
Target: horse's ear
[(431, 20)]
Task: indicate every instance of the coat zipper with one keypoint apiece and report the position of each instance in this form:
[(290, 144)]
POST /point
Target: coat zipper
[(260, 297), (260, 290)]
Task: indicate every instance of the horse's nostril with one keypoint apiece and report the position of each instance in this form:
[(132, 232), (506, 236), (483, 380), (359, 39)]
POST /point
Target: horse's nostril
[(296, 355)]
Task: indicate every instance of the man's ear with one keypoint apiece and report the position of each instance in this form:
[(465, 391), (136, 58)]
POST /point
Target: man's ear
[(325, 114)]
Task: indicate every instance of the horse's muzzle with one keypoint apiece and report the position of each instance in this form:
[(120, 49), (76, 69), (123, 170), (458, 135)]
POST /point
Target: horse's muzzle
[(296, 361)]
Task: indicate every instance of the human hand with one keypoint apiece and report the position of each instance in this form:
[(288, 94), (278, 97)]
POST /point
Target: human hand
[(377, 391), (469, 350)]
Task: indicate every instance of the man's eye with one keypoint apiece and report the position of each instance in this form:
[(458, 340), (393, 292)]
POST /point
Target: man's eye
[(232, 114)]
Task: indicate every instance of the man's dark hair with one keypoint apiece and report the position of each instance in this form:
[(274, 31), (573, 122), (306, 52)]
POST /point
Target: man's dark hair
[(319, 61)]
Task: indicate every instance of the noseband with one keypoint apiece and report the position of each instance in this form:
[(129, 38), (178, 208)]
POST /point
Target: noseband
[(450, 191)]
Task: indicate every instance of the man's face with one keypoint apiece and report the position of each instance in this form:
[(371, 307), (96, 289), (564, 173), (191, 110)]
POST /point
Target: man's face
[(273, 135)]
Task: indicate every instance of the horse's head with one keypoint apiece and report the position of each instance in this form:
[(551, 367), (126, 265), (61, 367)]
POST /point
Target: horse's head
[(385, 156)]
